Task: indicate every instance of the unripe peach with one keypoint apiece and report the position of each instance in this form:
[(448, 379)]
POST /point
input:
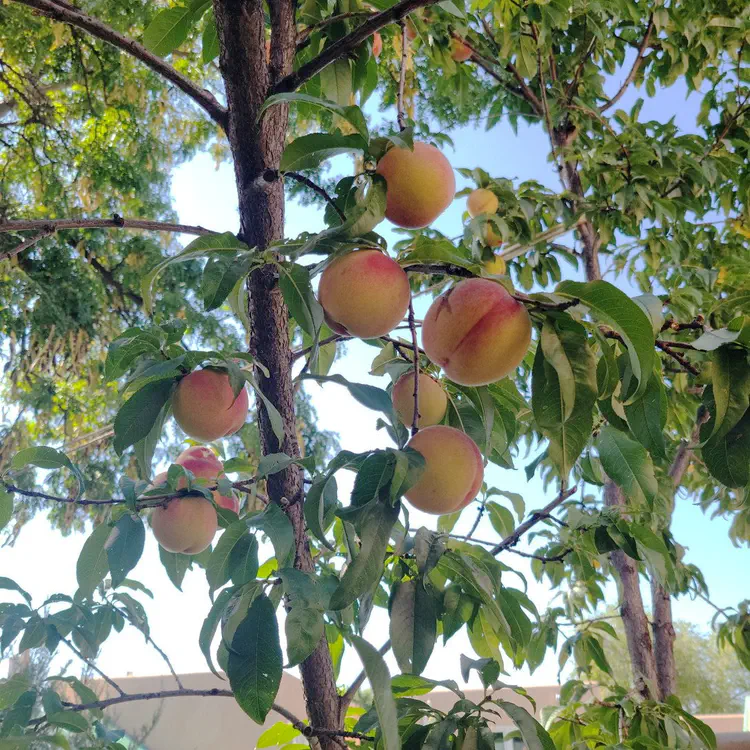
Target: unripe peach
[(186, 525), (453, 471), (411, 30), (476, 332), (459, 51), (205, 407), (433, 400), (490, 237), (377, 45), (496, 266), (420, 185), (364, 293), (204, 464), (482, 201)]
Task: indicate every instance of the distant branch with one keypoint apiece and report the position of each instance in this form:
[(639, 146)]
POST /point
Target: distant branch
[(634, 70), (343, 46), (46, 227), (512, 539)]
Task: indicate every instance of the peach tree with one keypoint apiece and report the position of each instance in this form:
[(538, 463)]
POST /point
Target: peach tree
[(629, 401)]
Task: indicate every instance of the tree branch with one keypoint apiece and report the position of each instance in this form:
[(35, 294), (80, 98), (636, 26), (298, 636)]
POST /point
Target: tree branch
[(634, 70), (415, 345), (303, 35), (512, 539), (343, 46), (72, 16), (93, 667), (346, 699), (321, 191), (400, 117)]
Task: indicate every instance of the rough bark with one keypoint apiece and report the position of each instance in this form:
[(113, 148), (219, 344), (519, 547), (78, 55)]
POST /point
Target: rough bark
[(633, 614), (635, 623), (256, 146)]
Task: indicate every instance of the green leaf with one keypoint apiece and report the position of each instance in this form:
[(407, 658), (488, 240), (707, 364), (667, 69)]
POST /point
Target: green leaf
[(365, 570), (208, 629), (199, 248), (125, 547), (144, 448), (380, 681), (726, 455), (210, 39), (309, 151), (554, 353), (413, 625), (440, 733), (20, 714), (730, 382), (613, 307), (336, 81), (275, 523), (6, 507), (70, 720), (647, 416), (304, 628), (295, 285), (219, 567), (277, 735), (93, 564), (12, 689), (351, 114), (255, 662), (627, 464), (533, 733), (501, 519), (321, 503), (699, 728), (368, 395), (10, 585), (176, 566), (276, 420), (140, 412), (43, 457), (568, 437), (220, 275), (168, 30)]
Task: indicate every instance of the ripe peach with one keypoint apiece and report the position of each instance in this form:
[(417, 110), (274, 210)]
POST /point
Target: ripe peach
[(377, 45), (411, 30), (476, 332), (460, 52), (482, 201), (490, 237), (186, 525), (433, 400), (453, 471), (496, 266), (420, 185), (204, 463), (205, 407), (364, 293)]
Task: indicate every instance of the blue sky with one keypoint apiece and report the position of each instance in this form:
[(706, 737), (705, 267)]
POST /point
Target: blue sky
[(205, 195)]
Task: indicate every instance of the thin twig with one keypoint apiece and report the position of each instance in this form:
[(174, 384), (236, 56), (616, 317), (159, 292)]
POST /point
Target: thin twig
[(677, 357), (634, 70), (303, 35), (74, 17), (413, 329), (26, 244), (93, 667), (512, 539), (348, 696), (346, 44), (533, 556), (402, 77), (322, 192)]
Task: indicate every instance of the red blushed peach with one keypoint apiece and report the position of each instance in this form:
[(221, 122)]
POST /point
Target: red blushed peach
[(205, 407), (187, 525), (453, 471), (420, 185), (433, 400), (364, 293), (476, 332), (204, 464), (377, 45), (460, 52)]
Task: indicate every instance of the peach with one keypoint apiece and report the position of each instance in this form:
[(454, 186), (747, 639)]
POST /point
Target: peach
[(433, 400), (204, 464), (364, 293), (377, 45), (411, 30), (496, 266), (460, 52), (205, 407), (476, 332), (186, 525), (453, 471), (420, 185), (482, 201), (490, 237)]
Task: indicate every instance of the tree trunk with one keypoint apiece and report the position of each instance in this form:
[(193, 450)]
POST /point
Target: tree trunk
[(256, 147), (640, 647)]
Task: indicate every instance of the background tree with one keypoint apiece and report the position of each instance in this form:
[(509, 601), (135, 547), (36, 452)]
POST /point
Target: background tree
[(640, 397)]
